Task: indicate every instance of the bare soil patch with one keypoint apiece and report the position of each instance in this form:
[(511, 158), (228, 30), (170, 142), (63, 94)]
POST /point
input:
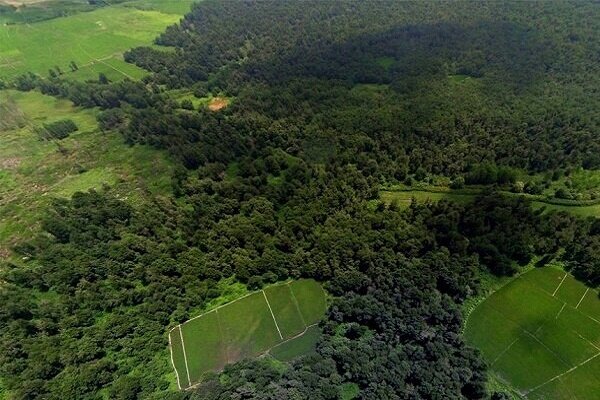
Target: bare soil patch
[(218, 103)]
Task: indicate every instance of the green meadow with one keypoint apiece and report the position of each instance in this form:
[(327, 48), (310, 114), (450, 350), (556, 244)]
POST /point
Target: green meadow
[(540, 334), (94, 40), (279, 319), (33, 171)]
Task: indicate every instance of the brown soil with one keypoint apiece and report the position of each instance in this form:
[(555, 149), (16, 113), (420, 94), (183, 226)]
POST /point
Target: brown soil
[(9, 163), (218, 103)]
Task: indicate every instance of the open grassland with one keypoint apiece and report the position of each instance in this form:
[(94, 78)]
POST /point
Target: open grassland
[(404, 197), (540, 333), (94, 40), (281, 319), (32, 171)]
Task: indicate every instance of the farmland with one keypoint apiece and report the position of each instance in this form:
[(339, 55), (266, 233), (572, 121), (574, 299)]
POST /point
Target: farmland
[(32, 171), (280, 317), (94, 40), (540, 334), (404, 197)]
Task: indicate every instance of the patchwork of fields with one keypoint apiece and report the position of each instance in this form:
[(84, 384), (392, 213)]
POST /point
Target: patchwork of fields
[(279, 319), (541, 334), (94, 40)]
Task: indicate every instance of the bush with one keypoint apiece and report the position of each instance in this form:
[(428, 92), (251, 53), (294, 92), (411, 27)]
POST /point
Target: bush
[(57, 130)]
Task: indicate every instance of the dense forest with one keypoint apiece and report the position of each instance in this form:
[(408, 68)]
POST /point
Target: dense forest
[(330, 100)]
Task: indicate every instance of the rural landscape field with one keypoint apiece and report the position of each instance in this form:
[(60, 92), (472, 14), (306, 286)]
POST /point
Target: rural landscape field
[(277, 316), (318, 199)]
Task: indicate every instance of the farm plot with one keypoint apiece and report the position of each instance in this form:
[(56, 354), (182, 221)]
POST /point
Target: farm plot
[(541, 335), (281, 317), (94, 40)]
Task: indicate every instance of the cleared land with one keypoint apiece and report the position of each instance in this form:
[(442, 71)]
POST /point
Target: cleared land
[(540, 334), (94, 40), (279, 319), (404, 198), (32, 171)]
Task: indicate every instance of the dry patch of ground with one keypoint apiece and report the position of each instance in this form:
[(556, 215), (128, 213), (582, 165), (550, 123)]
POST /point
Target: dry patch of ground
[(218, 103), (9, 162)]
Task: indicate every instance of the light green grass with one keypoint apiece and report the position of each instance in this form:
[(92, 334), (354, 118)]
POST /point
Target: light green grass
[(178, 359), (530, 332), (32, 171), (97, 37), (246, 328)]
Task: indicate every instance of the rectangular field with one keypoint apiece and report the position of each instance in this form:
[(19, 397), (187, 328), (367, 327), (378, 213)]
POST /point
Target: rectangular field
[(279, 317), (539, 334)]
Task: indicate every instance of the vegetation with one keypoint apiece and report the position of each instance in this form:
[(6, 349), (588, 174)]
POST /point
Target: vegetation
[(540, 333), (95, 39), (404, 197), (313, 113)]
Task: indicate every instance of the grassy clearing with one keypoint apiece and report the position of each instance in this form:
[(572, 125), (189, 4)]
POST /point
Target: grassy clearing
[(248, 327), (95, 40), (536, 337), (404, 197), (33, 171)]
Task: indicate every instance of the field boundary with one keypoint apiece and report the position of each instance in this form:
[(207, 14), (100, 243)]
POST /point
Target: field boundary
[(272, 315), (173, 362), (187, 369), (560, 284), (581, 299)]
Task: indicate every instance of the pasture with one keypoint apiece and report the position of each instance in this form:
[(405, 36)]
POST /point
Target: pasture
[(540, 334), (32, 171), (94, 40), (279, 319)]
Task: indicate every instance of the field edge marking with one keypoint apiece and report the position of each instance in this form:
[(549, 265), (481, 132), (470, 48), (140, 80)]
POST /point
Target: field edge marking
[(272, 315), (295, 300), (560, 284), (172, 360), (187, 369), (581, 299)]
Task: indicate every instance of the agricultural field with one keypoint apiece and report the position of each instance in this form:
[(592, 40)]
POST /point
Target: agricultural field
[(281, 320), (404, 197), (94, 40), (540, 334), (33, 171)]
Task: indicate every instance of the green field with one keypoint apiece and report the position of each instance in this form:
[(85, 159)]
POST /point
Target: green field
[(540, 334), (32, 171), (95, 40), (404, 197), (279, 319)]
